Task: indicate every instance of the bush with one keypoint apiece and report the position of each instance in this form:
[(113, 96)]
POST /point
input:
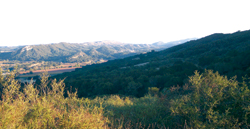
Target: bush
[(216, 102), (45, 108)]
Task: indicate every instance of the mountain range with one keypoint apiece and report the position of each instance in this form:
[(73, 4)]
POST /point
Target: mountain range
[(79, 52)]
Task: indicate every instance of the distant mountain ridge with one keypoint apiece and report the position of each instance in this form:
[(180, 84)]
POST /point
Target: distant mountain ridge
[(9, 48), (172, 43), (77, 52)]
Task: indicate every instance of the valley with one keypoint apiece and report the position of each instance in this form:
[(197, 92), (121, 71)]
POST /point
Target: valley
[(202, 83), (26, 70)]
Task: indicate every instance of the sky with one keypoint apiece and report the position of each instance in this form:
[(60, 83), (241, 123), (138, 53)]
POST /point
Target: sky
[(30, 22)]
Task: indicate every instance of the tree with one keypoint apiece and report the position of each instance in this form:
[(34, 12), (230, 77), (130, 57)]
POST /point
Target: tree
[(132, 88)]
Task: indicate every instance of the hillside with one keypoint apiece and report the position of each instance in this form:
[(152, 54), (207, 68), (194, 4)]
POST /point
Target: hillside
[(229, 54), (78, 52)]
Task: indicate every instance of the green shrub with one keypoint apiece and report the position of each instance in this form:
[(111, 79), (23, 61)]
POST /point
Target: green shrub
[(45, 109), (216, 102), (153, 91), (144, 112)]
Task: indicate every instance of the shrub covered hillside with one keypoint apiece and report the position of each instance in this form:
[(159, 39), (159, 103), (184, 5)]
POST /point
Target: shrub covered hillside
[(207, 100), (229, 54)]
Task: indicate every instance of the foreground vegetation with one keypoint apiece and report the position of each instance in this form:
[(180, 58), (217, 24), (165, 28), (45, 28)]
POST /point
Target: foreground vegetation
[(45, 107), (208, 100)]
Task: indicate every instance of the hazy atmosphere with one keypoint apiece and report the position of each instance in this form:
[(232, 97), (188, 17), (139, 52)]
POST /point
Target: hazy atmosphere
[(29, 22)]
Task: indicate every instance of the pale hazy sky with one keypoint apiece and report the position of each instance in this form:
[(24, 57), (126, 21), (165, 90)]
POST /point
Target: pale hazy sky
[(24, 22)]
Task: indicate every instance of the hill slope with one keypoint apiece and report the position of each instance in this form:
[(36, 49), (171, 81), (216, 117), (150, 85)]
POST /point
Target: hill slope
[(227, 53), (73, 52), (66, 52)]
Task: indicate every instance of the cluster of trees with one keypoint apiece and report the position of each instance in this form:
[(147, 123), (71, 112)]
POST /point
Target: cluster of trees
[(128, 81)]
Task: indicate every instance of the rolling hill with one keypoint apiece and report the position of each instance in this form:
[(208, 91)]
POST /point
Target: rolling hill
[(76, 52), (229, 54)]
